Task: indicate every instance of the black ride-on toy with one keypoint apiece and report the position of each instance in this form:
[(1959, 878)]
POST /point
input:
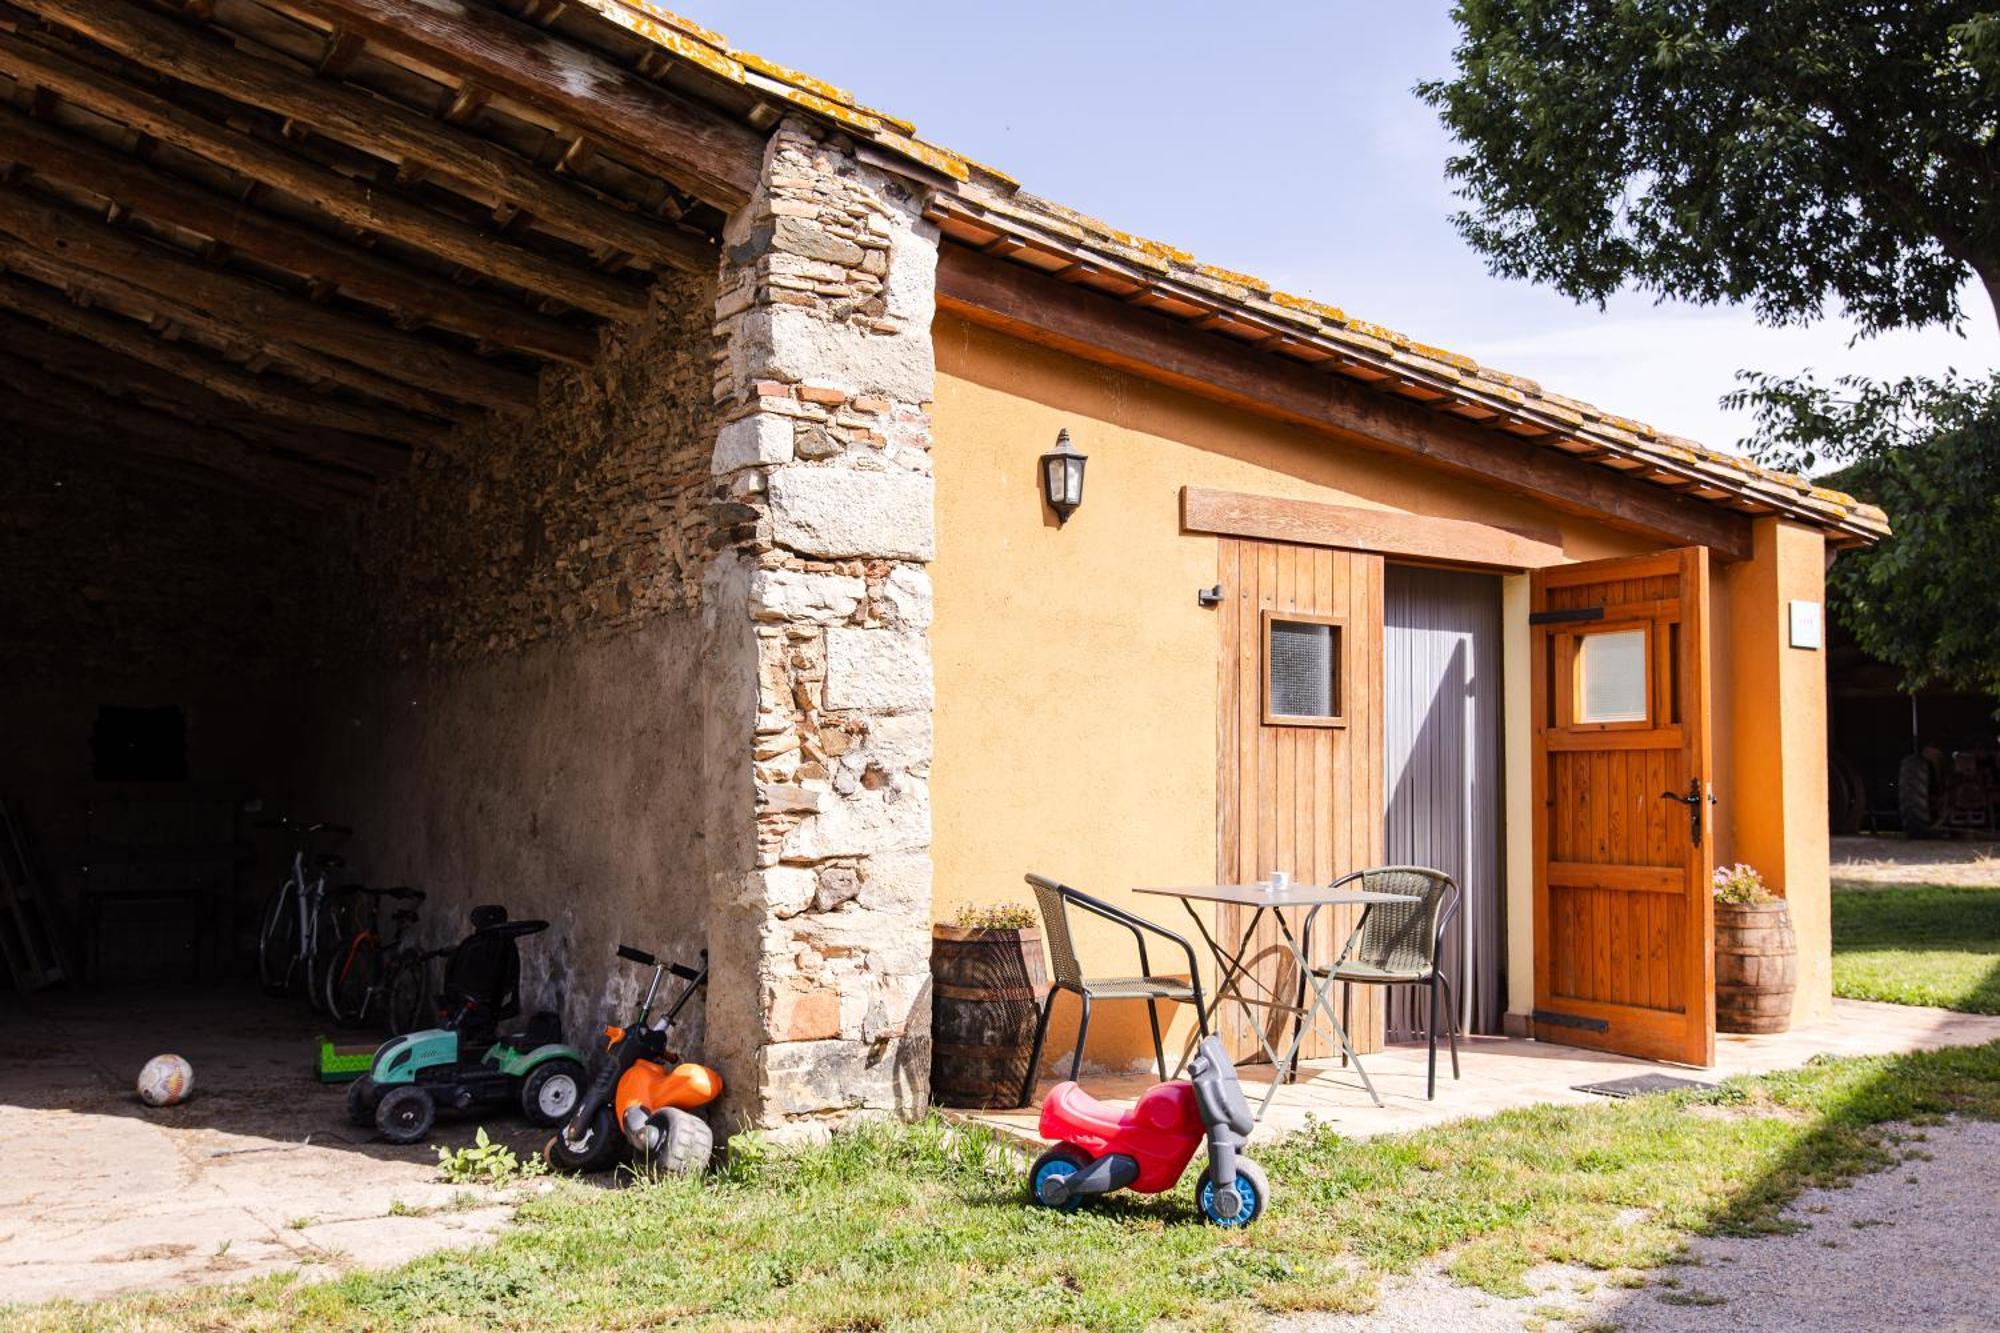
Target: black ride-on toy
[(467, 1063)]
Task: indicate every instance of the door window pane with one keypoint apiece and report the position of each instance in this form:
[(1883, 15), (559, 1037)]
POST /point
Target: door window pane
[(1304, 665), (1611, 677)]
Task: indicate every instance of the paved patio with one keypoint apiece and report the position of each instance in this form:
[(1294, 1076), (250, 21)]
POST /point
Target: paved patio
[(258, 1172), (1505, 1072)]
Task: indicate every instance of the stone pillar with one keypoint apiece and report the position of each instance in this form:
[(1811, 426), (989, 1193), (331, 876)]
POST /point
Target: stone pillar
[(819, 1007)]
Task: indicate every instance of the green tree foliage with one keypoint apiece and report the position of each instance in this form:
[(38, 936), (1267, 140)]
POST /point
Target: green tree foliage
[(1927, 599), (1774, 152)]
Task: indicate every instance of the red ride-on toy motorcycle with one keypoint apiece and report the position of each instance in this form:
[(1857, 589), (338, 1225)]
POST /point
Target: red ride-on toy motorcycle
[(1100, 1149)]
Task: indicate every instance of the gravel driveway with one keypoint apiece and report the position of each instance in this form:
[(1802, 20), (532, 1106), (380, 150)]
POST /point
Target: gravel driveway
[(1911, 1247)]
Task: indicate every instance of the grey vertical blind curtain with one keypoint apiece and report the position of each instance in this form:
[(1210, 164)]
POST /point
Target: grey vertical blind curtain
[(1441, 744)]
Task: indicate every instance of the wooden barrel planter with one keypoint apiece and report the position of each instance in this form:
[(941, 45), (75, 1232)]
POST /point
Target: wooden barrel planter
[(986, 993), (1756, 967)]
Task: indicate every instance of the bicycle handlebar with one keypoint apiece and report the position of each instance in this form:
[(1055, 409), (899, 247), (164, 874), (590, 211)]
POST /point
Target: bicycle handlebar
[(286, 822)]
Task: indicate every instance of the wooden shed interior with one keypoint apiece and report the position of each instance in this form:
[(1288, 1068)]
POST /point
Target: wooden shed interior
[(285, 244)]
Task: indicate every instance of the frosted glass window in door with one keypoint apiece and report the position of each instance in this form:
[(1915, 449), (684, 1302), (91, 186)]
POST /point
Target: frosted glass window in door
[(1611, 677), (1302, 658)]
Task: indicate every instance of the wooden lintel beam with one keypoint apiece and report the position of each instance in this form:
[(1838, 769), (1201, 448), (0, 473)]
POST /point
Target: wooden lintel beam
[(277, 398), (287, 245), (1054, 314), (375, 125), (354, 202), (712, 156), (103, 370), (28, 394), (1422, 537), (249, 304)]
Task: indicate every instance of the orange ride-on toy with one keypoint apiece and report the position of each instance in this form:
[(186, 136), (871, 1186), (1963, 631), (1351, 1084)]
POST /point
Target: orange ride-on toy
[(641, 1096)]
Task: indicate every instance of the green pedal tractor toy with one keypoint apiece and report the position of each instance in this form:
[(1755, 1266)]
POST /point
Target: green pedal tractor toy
[(468, 1064)]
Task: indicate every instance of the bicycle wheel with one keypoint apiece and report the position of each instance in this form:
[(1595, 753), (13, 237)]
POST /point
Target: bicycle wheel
[(278, 940), (326, 937), (407, 993), (354, 981)]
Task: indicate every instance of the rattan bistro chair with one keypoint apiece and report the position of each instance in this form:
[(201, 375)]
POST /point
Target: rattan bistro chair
[(1056, 900), (1396, 944)]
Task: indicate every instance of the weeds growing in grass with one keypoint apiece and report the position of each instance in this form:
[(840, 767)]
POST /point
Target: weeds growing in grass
[(925, 1226), (484, 1162)]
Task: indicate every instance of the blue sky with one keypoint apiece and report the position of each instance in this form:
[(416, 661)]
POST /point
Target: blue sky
[(1282, 139)]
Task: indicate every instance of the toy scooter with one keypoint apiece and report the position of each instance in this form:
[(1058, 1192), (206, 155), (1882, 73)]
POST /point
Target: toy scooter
[(640, 1094), (1101, 1149), (467, 1062)]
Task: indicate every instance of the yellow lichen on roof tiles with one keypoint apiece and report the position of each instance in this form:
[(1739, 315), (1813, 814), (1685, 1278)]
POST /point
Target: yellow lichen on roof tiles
[(1639, 428), (1381, 333), (951, 164), (1309, 306), (1426, 365), (803, 82), (1457, 360), (1231, 276)]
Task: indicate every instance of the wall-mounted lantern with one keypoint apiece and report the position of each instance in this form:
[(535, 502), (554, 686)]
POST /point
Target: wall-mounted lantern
[(1062, 478)]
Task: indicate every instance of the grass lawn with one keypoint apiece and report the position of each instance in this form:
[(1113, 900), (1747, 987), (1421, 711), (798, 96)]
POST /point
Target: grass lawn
[(1926, 944), (922, 1227)]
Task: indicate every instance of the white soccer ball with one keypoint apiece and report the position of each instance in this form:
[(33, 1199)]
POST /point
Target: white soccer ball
[(166, 1081)]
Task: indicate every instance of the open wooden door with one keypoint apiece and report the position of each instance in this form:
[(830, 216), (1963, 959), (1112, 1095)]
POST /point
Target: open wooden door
[(1623, 918)]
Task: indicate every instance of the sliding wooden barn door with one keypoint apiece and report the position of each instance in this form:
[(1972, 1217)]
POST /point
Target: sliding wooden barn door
[(1623, 852), (1299, 781)]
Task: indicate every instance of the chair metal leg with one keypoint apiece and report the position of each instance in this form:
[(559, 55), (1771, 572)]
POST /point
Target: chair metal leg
[(1346, 1013), (1035, 1057), (1298, 1026), (1431, 1089), (1082, 1031), (1159, 1051), (1451, 1012)]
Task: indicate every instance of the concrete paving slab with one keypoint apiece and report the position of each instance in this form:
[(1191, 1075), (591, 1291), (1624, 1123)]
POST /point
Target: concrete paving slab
[(258, 1172)]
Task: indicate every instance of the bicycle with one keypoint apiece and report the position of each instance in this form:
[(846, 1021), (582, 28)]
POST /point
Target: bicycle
[(359, 970), (298, 923)]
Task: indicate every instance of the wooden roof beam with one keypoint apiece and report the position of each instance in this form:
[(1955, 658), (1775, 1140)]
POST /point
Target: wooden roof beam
[(287, 245), (277, 398), (168, 317), (103, 370), (373, 124), (713, 157), (359, 204), (251, 305), (120, 425), (1081, 323)]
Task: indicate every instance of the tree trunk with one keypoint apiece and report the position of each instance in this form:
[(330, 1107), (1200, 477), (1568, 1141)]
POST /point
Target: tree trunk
[(1989, 273)]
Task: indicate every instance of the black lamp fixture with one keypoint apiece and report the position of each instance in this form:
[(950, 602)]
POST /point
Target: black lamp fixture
[(1062, 478)]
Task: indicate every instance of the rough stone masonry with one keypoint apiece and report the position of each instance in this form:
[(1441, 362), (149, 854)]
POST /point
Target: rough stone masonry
[(820, 931)]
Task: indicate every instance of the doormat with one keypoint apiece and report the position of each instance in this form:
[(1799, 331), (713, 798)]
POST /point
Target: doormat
[(1640, 1085)]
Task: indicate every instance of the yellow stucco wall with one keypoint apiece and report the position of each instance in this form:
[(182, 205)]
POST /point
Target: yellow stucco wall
[(1076, 676), (1771, 741)]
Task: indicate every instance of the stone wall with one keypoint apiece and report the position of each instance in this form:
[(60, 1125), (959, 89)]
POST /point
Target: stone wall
[(824, 382), (114, 571), (589, 518), (127, 585), (513, 693)]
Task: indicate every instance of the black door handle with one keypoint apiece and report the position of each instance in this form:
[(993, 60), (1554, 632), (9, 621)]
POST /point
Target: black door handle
[(1693, 801)]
